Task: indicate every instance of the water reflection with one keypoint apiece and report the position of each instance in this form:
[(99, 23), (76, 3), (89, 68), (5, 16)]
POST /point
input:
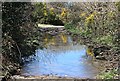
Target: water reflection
[(58, 40), (61, 58)]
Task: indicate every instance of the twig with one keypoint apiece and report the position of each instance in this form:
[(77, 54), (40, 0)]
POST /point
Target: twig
[(19, 52)]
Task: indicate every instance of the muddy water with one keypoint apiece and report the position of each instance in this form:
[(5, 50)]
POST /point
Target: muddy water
[(61, 58)]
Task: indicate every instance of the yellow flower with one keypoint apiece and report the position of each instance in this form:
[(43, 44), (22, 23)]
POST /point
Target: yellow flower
[(52, 42), (51, 9), (83, 14), (45, 13), (90, 52), (89, 19), (64, 12), (63, 9)]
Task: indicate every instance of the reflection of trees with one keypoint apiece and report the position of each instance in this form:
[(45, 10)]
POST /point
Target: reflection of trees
[(56, 45), (60, 39), (67, 48), (60, 43)]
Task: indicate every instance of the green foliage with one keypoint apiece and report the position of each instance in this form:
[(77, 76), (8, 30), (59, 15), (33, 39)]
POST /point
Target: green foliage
[(45, 15), (108, 75), (72, 28), (105, 40), (18, 31), (69, 26), (86, 33), (118, 5), (39, 11), (99, 24)]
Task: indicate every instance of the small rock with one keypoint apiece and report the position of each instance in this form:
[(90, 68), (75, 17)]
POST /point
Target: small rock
[(100, 57)]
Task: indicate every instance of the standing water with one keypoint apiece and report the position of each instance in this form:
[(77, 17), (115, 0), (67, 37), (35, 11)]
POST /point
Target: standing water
[(61, 58)]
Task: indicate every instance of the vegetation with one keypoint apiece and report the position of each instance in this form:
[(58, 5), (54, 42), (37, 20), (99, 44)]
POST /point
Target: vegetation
[(108, 75), (97, 22), (19, 35), (44, 15)]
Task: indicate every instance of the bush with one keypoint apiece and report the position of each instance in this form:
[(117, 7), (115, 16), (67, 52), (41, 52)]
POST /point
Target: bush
[(19, 33), (105, 40)]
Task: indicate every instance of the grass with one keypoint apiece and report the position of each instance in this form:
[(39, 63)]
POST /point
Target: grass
[(108, 75), (106, 40)]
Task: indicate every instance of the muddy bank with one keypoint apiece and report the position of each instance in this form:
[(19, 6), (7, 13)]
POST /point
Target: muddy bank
[(48, 78), (52, 31), (40, 77)]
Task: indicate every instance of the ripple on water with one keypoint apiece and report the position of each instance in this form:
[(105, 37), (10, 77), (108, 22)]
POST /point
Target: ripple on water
[(62, 60)]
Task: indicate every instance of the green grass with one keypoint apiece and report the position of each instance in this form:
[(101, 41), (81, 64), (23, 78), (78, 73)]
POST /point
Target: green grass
[(107, 40), (108, 75), (73, 29)]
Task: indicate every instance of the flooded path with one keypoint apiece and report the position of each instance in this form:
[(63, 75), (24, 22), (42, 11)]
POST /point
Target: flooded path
[(61, 58)]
